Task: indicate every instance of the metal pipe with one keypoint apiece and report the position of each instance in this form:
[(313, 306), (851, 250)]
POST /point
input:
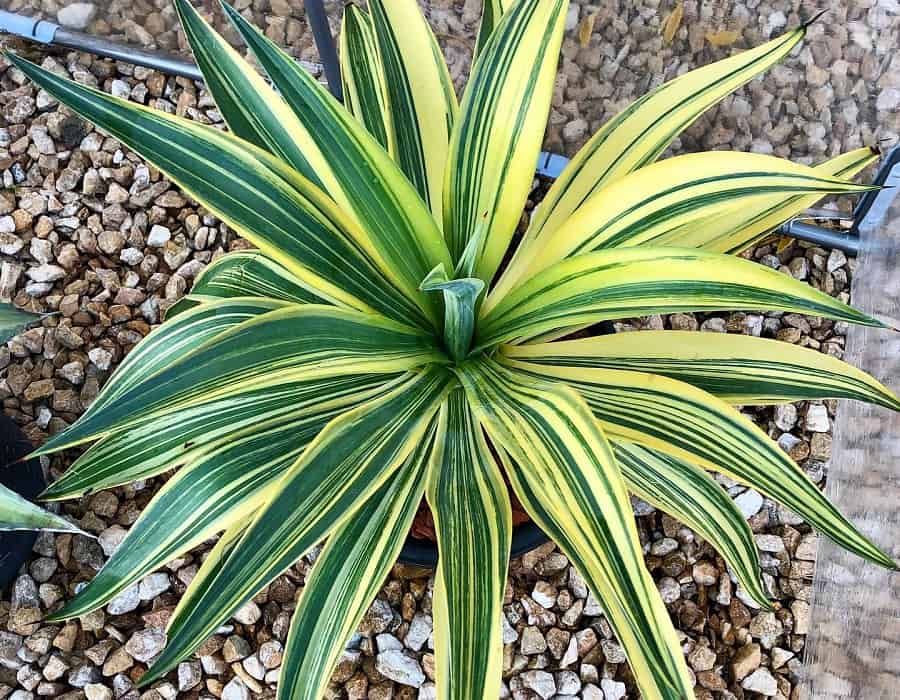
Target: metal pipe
[(824, 237), (318, 23), (167, 63)]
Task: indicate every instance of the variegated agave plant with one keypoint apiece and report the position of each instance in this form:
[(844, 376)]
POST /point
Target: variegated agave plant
[(377, 347)]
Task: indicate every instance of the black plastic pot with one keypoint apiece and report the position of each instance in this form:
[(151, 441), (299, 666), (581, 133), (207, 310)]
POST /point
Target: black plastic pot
[(527, 536), (26, 479)]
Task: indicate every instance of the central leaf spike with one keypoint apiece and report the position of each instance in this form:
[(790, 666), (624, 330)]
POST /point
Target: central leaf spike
[(460, 296)]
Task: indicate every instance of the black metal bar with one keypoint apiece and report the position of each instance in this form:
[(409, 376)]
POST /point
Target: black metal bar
[(318, 22), (127, 53), (824, 237)]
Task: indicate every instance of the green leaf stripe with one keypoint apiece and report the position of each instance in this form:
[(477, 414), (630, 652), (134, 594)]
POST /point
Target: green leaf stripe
[(766, 220), (362, 73), (345, 464), (688, 494), (172, 341), (491, 14), (347, 576)]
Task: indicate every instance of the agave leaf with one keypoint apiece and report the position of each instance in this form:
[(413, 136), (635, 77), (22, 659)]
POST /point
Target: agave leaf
[(491, 14), (640, 133), (348, 461), (17, 513), (294, 343), (738, 369), (250, 107), (680, 420), (672, 202), (627, 282), (270, 204), (500, 128), (182, 435), (760, 220), (564, 473), (362, 75), (421, 97), (364, 179), (473, 522), (215, 489), (346, 577), (170, 342), (460, 296), (689, 494), (13, 320), (245, 273)]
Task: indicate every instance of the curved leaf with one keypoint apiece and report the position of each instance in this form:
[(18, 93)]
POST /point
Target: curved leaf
[(763, 219), (268, 203), (564, 473), (346, 577), (473, 522), (685, 422), (689, 494), (640, 133), (688, 201), (460, 296), (739, 369), (627, 282), (500, 128), (348, 461), (294, 343)]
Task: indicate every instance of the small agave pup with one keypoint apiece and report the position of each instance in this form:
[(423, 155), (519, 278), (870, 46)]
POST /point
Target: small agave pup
[(375, 349)]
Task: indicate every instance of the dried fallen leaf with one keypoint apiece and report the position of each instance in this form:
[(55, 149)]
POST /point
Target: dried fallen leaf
[(586, 28), (784, 243), (673, 22), (723, 37)]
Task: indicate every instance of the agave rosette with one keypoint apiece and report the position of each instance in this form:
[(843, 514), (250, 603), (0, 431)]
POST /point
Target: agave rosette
[(376, 349)]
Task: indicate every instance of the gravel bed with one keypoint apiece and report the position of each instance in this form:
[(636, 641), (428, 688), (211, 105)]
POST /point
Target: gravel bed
[(88, 231)]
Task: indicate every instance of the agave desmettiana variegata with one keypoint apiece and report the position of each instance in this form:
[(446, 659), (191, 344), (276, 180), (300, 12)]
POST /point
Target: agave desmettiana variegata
[(376, 348)]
